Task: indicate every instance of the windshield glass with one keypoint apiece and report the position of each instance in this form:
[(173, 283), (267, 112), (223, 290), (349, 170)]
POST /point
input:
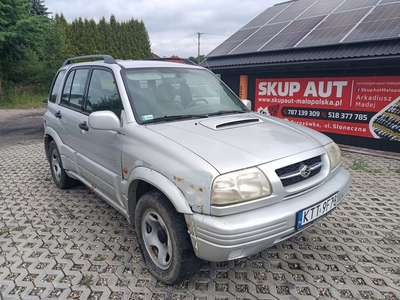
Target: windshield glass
[(168, 94)]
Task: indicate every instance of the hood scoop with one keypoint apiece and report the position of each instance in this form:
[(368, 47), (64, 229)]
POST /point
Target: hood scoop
[(218, 124)]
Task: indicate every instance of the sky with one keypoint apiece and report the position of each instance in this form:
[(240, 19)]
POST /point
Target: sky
[(172, 25)]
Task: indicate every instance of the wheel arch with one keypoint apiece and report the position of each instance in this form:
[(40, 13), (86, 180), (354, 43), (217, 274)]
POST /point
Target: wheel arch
[(143, 180), (50, 135), (47, 140)]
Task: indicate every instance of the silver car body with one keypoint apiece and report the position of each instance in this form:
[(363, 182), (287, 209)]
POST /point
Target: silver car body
[(183, 158)]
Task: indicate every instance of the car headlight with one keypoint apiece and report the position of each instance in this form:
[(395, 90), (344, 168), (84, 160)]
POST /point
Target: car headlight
[(240, 186), (334, 154)]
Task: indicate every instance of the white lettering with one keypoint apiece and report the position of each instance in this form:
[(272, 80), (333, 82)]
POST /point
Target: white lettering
[(315, 89), (294, 88), (271, 89), (310, 90), (339, 85), (324, 91), (328, 91), (262, 89), (283, 89)]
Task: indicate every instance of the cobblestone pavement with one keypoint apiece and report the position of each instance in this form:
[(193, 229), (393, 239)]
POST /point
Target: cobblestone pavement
[(73, 245)]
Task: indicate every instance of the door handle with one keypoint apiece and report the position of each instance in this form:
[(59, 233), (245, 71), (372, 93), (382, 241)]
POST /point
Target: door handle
[(84, 126), (58, 114)]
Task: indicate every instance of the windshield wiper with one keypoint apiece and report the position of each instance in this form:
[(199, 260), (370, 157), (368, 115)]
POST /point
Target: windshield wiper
[(225, 112), (177, 117)]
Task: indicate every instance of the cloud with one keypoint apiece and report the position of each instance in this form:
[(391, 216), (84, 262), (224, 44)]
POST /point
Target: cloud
[(172, 25)]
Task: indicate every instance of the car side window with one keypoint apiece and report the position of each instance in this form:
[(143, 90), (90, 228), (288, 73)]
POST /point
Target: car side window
[(103, 93), (56, 86), (74, 88)]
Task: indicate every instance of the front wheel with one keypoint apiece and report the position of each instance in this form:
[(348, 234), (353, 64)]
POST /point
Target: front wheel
[(163, 239)]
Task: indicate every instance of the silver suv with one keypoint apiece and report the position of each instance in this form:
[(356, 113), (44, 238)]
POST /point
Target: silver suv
[(200, 177)]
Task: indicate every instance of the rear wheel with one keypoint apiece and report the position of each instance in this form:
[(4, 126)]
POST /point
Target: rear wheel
[(163, 239), (61, 179)]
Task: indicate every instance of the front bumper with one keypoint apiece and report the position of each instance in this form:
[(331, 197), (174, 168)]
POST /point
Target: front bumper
[(243, 234)]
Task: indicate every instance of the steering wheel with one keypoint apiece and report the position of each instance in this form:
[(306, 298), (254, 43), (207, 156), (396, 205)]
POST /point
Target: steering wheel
[(195, 101)]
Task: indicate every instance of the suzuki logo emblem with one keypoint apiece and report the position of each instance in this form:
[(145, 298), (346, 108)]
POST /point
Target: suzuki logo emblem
[(305, 170)]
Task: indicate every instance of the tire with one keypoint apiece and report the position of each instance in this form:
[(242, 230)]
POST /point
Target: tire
[(163, 239), (60, 178)]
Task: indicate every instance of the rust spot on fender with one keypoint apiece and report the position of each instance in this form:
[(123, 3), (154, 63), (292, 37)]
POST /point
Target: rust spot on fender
[(178, 179), (200, 190), (191, 189), (125, 170)]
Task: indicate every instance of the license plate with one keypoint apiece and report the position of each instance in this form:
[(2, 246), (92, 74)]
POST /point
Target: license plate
[(312, 213)]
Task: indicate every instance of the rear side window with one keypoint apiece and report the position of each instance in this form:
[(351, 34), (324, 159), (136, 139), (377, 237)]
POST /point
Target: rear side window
[(56, 86), (74, 88)]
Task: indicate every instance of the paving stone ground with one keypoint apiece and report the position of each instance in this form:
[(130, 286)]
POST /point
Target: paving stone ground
[(72, 245)]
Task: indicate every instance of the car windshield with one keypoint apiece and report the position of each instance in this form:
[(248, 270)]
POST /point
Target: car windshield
[(169, 94)]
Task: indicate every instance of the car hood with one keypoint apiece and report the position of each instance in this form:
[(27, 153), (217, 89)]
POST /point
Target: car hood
[(235, 142)]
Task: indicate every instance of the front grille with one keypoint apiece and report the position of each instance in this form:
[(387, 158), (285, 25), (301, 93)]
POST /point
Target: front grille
[(291, 174)]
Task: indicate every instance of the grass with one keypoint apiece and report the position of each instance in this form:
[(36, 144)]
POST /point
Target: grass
[(17, 100), (396, 170), (99, 258), (18, 228), (4, 230), (86, 280), (360, 164)]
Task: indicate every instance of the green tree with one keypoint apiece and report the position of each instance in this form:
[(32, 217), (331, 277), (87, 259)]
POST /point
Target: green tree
[(38, 8), (77, 37), (33, 46), (91, 32), (122, 40), (144, 41), (54, 54), (64, 29), (102, 38), (114, 45), (196, 60), (19, 29), (21, 38)]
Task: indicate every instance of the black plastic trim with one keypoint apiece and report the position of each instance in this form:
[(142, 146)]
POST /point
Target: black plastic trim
[(108, 59)]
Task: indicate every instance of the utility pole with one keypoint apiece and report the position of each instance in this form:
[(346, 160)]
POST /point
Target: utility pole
[(198, 46)]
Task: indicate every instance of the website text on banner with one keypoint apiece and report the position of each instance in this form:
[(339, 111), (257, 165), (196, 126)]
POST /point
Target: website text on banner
[(360, 106)]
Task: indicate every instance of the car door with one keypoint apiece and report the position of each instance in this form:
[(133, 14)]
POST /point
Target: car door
[(99, 151), (51, 114), (70, 108), (69, 113)]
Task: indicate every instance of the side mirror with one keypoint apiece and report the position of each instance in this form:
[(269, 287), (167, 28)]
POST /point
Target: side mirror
[(104, 120), (45, 100), (247, 103)]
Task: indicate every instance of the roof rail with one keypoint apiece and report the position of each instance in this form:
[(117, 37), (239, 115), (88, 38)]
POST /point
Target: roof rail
[(174, 59), (108, 59)]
